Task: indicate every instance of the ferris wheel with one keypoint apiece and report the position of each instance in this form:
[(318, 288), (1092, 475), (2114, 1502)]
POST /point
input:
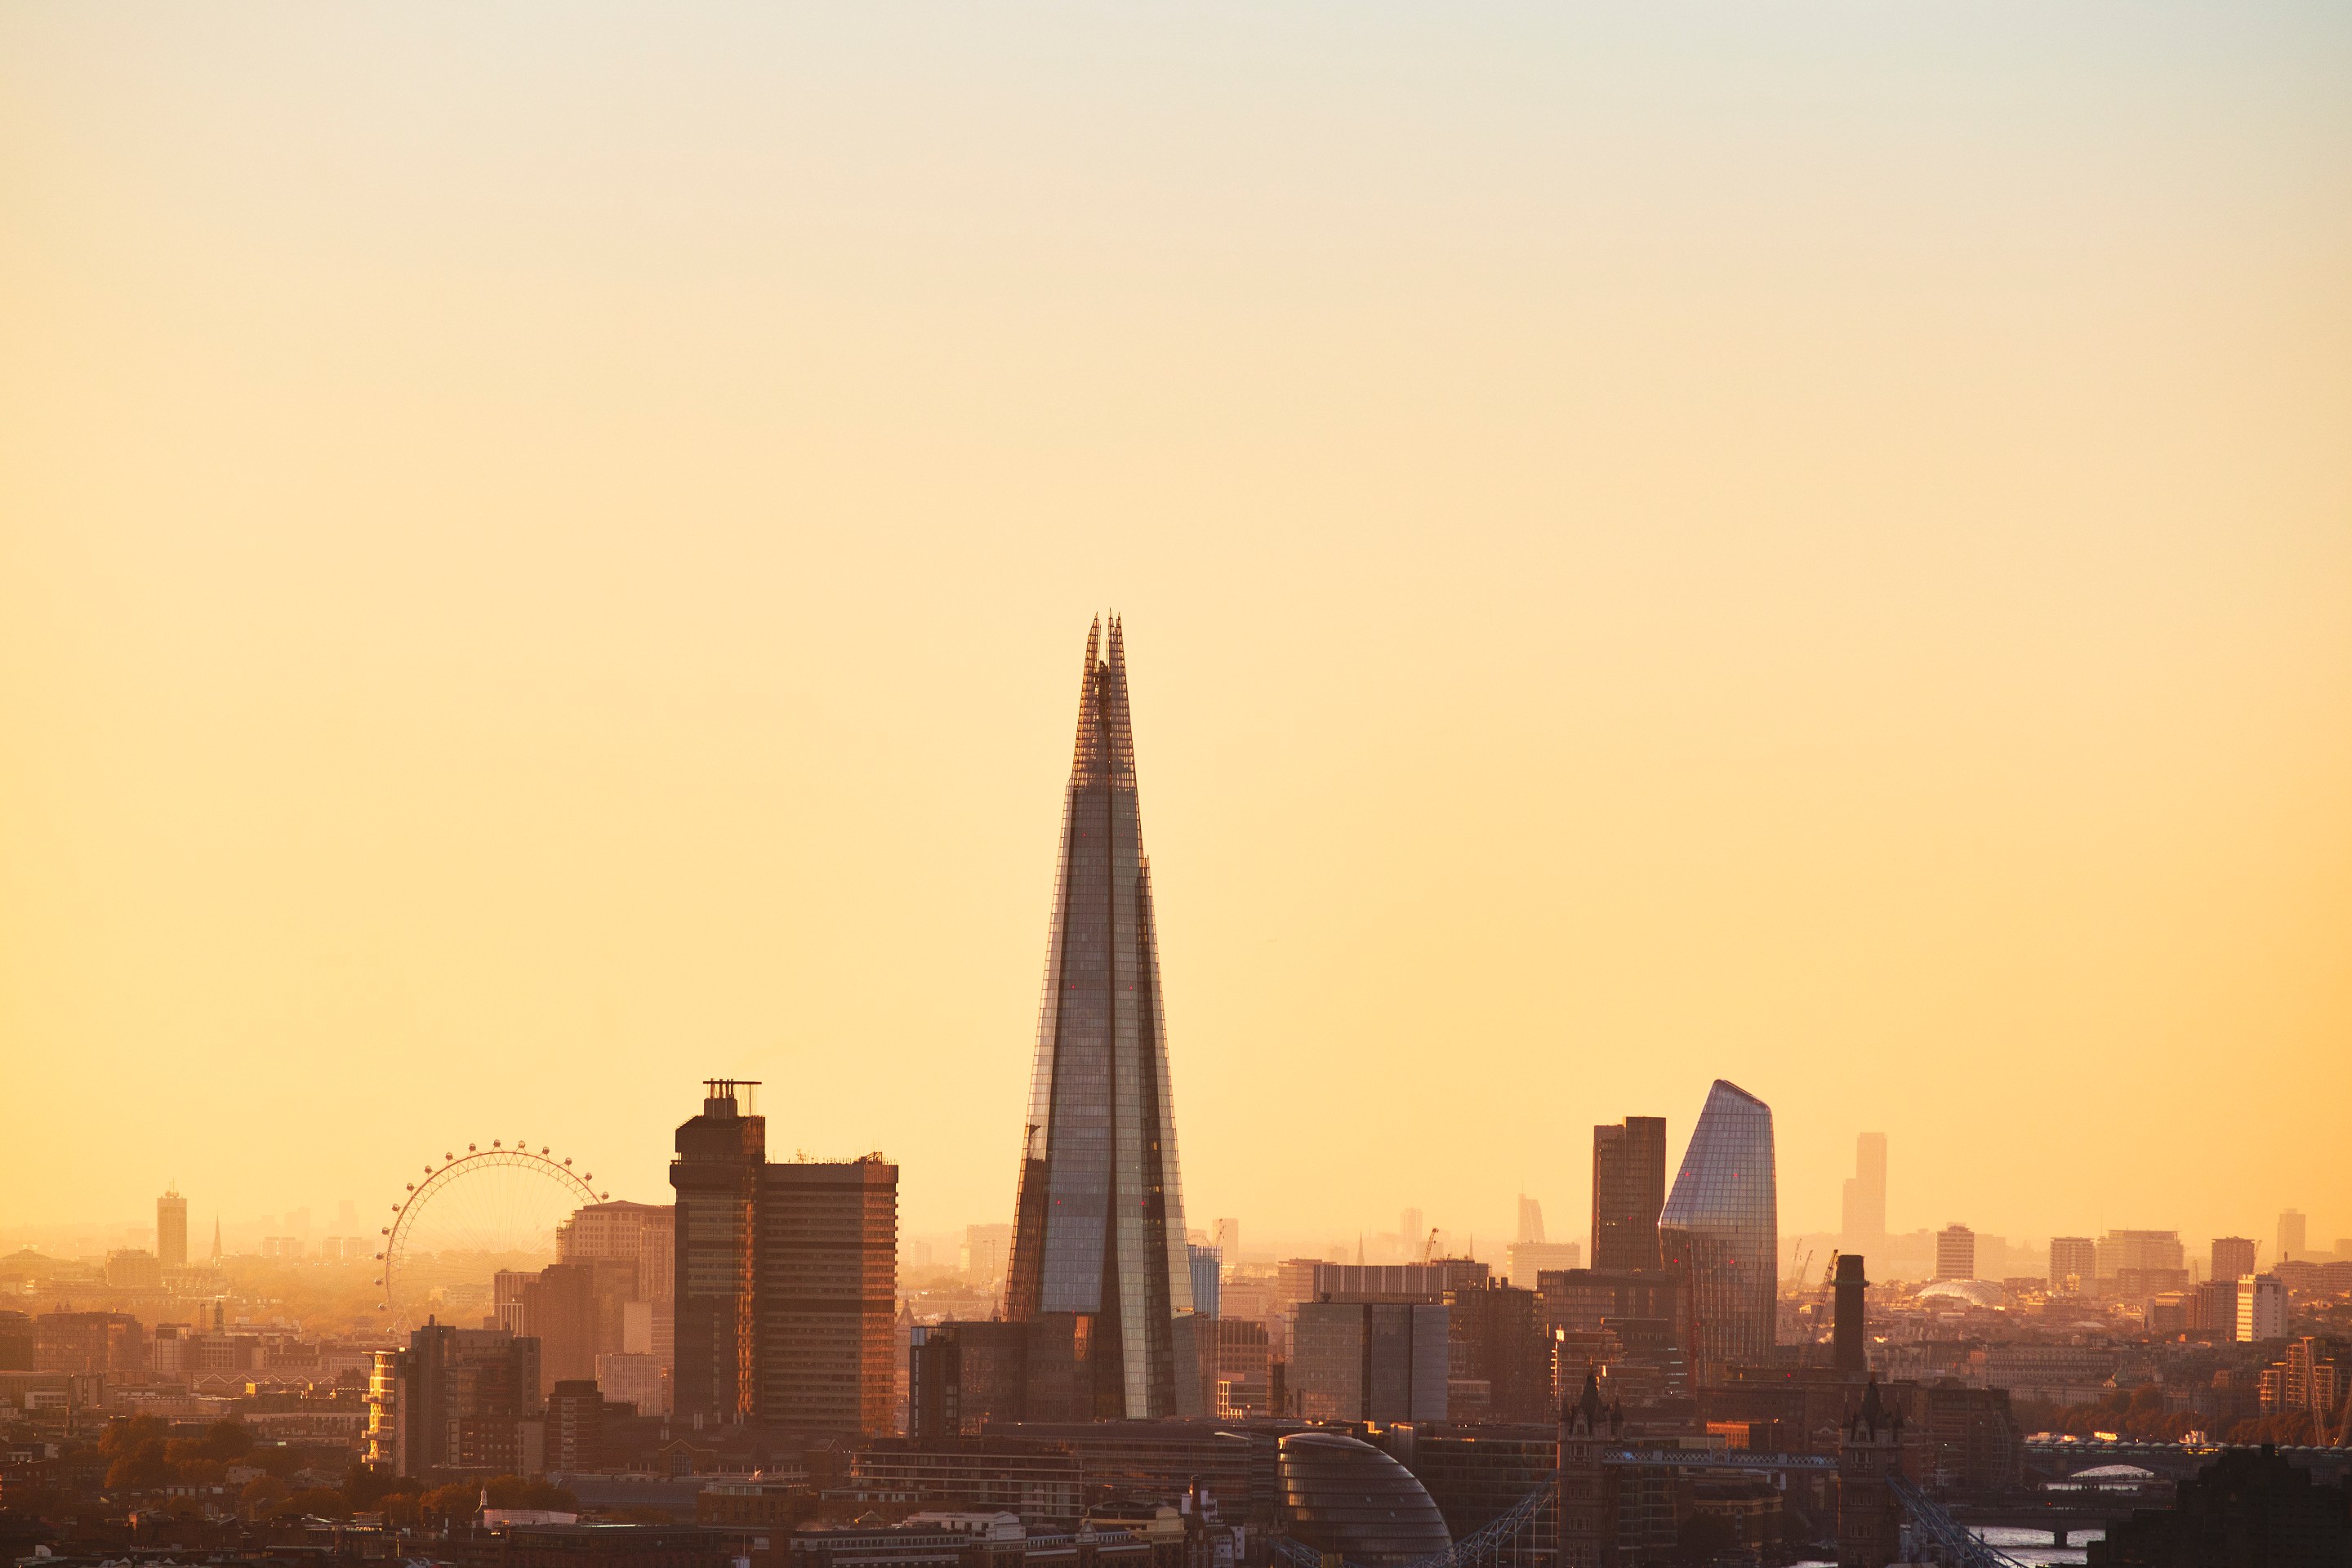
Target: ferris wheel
[(469, 1216)]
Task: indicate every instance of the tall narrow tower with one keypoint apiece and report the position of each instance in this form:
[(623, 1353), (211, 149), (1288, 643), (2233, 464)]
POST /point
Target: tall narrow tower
[(172, 1229), (1100, 1227)]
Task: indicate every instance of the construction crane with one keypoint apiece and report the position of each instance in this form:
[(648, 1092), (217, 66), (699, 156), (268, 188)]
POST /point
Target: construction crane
[(1429, 1247)]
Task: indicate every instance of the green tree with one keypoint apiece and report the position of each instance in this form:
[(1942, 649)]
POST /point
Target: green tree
[(226, 1440), (264, 1497), (141, 1469), (127, 1434)]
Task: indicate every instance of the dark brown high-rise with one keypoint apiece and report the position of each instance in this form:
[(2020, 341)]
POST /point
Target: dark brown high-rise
[(786, 1279), (1629, 1188)]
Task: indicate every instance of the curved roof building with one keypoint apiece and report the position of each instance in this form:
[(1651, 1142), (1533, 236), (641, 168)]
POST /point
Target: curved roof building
[(1721, 1229), (1343, 1495)]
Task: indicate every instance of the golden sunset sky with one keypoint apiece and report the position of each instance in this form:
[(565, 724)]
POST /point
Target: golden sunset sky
[(544, 552)]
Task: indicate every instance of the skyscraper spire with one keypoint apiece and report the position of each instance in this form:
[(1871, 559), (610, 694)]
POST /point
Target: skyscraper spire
[(1100, 1227)]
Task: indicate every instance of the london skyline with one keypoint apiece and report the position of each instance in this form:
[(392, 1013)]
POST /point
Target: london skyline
[(1658, 548)]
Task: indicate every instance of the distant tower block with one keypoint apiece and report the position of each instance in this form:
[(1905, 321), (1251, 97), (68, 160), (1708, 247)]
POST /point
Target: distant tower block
[(2291, 1236), (1098, 1228), (1629, 1188), (172, 1229)]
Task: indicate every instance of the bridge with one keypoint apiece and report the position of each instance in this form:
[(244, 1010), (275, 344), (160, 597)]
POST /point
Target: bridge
[(1532, 1524)]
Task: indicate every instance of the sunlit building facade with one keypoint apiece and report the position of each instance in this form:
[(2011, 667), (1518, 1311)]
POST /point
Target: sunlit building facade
[(1099, 1229), (1720, 1229)]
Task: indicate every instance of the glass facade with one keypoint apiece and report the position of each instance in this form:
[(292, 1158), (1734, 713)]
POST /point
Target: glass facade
[(1721, 1230), (1100, 1227)]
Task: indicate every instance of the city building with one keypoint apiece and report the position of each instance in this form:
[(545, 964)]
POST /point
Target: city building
[(1207, 1269), (1371, 1360), (2262, 1308), (2250, 1505), (2073, 1263), (1629, 1188), (1498, 1355), (1720, 1228), (2140, 1263), (2233, 1255), (2290, 1230), (110, 1343), (785, 1277), (1530, 1219), (986, 1250), (961, 1376), (172, 1229), (135, 1270), (1244, 1369), (1099, 1227), (1956, 1253), (1863, 1213), (1352, 1502), (464, 1399), (1526, 1261), (645, 1237)]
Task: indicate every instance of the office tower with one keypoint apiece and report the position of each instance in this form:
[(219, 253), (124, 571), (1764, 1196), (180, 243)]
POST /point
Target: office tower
[(1207, 1267), (1245, 1368), (1866, 1193), (1524, 1261), (2290, 1236), (172, 1229), (1099, 1225), (1956, 1253), (1629, 1187), (1370, 1361), (2262, 1308), (2233, 1255), (1849, 1345), (456, 1399), (1530, 1219), (1498, 1338), (785, 1279), (1413, 1236), (1721, 1227), (2074, 1262)]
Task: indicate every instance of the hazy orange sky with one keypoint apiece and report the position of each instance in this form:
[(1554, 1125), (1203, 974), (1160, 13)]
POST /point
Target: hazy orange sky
[(544, 552)]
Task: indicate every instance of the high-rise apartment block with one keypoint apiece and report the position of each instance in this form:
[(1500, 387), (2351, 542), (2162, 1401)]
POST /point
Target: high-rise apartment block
[(1956, 1253), (171, 1230), (1865, 1210), (1526, 1261), (786, 1279), (1098, 1226), (986, 1250), (2073, 1263), (2233, 1255), (1721, 1229), (2142, 1262), (2290, 1228), (1629, 1188), (459, 1399), (2262, 1308)]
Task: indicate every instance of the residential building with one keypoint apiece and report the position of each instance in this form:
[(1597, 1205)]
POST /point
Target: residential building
[(2233, 1255), (1956, 1253), (2290, 1228), (1499, 1345), (2073, 1263), (1720, 1227), (1629, 1188), (1098, 1226), (986, 1250), (645, 1237), (457, 1399), (2262, 1308)]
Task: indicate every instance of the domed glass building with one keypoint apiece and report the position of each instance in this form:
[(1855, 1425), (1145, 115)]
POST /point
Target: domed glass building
[(1343, 1495)]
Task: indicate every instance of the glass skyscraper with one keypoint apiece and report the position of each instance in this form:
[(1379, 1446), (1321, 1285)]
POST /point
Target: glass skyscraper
[(1099, 1229), (1721, 1230)]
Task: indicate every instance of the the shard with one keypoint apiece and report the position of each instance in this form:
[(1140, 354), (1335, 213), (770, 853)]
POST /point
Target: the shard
[(1100, 1229)]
